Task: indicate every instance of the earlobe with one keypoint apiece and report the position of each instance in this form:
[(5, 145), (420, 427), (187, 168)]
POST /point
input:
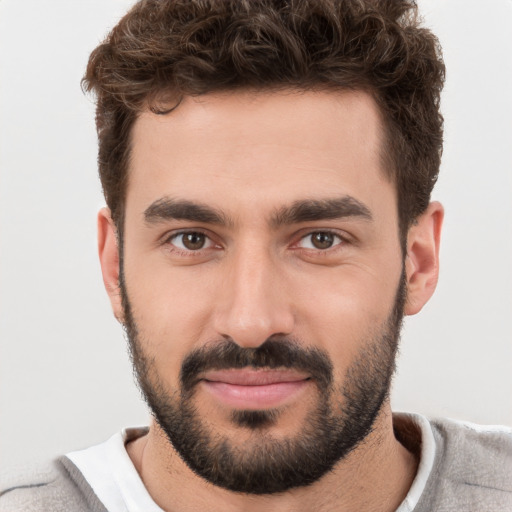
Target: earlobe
[(422, 260), (109, 260)]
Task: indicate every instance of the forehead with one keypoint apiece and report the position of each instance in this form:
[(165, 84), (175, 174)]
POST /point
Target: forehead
[(263, 148)]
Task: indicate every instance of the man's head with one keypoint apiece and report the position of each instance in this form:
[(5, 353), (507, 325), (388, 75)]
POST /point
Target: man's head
[(264, 215), (162, 51)]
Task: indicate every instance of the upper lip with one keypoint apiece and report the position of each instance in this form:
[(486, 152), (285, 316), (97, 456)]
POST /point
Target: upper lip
[(254, 377)]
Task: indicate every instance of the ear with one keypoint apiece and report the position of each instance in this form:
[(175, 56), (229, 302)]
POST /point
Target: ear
[(109, 260), (422, 260)]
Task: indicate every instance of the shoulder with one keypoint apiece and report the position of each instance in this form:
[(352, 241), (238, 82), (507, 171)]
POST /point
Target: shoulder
[(473, 466), (57, 486), (476, 454)]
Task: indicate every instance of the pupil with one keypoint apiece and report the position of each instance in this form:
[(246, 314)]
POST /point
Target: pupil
[(193, 240), (322, 240)]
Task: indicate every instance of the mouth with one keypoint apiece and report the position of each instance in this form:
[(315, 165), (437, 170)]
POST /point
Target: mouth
[(251, 389)]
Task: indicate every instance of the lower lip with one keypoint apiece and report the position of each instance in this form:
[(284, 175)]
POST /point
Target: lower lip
[(255, 397)]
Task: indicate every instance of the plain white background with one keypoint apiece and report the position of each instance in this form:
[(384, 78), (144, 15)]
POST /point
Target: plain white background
[(65, 378)]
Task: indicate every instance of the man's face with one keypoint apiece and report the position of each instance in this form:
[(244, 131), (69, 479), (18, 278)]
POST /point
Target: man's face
[(262, 277)]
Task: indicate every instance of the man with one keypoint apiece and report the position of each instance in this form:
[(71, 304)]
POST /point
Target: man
[(267, 168)]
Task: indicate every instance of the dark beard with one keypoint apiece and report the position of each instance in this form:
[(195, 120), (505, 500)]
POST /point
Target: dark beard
[(341, 420)]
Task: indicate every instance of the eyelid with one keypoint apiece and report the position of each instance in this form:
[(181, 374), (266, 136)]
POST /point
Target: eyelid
[(168, 238), (344, 239), (334, 236)]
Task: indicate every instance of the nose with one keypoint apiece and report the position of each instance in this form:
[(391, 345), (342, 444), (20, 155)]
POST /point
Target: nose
[(253, 303)]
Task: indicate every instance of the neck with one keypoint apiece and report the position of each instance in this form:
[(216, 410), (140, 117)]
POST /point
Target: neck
[(374, 477)]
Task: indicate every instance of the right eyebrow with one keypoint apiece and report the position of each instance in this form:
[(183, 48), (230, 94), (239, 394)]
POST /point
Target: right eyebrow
[(321, 209), (178, 209)]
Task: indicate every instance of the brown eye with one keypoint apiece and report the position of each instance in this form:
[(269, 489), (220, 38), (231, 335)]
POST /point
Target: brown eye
[(191, 241), (321, 240)]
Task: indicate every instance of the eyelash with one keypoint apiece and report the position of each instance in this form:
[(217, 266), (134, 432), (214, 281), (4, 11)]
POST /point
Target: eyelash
[(188, 252), (341, 241)]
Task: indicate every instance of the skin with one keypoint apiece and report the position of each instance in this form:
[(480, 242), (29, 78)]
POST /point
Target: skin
[(247, 155)]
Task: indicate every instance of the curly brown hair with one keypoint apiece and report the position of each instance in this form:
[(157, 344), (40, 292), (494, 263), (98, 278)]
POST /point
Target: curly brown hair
[(165, 49)]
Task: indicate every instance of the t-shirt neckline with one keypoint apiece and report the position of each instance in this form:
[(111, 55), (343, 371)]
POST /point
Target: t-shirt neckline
[(110, 472)]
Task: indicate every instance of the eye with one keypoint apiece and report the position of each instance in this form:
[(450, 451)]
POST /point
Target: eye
[(320, 240), (191, 241)]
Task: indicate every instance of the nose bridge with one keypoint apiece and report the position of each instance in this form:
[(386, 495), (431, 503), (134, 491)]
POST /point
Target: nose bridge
[(254, 305)]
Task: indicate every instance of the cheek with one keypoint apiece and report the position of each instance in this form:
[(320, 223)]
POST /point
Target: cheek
[(170, 306), (344, 310)]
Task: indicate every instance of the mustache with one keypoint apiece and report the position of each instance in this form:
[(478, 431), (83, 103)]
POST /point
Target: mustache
[(275, 352)]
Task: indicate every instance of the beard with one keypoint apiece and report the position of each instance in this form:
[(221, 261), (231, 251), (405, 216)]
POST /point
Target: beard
[(342, 418)]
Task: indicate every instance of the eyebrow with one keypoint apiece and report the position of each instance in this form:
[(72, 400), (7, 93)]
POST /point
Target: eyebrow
[(166, 208), (323, 209), (180, 209)]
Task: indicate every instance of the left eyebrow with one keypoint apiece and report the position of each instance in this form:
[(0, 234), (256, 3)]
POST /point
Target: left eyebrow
[(166, 208), (323, 209)]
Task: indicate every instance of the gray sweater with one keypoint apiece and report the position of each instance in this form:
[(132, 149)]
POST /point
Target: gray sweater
[(472, 472)]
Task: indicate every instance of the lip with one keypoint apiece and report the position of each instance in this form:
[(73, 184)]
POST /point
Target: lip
[(250, 389)]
